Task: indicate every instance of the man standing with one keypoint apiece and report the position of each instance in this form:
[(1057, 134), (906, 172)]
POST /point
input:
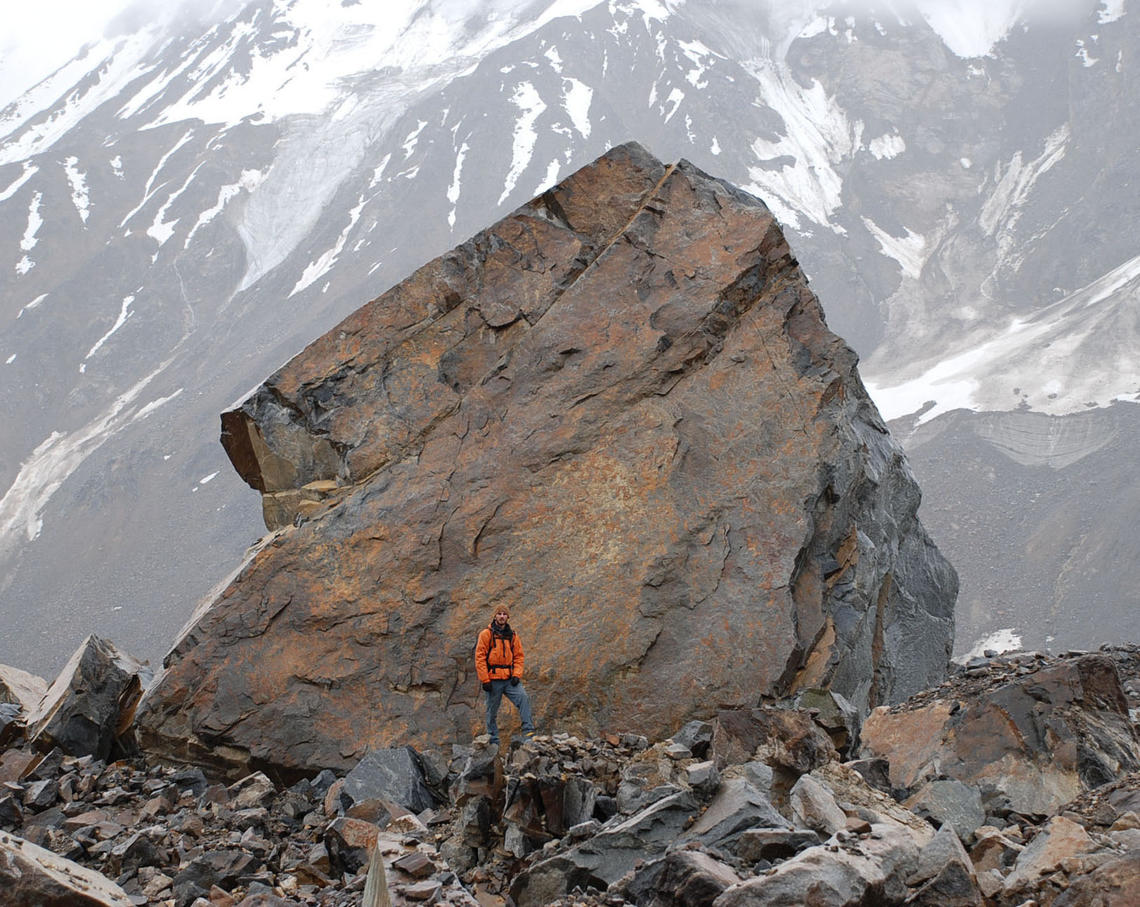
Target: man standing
[(499, 664)]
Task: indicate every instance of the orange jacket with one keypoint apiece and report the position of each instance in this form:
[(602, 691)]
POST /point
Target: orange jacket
[(496, 658)]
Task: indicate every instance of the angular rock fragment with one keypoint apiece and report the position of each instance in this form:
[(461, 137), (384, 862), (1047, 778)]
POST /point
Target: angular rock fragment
[(684, 878), (949, 803), (31, 876), (1058, 841), (391, 774), (608, 855), (91, 705), (787, 739), (21, 688), (873, 871), (737, 807)]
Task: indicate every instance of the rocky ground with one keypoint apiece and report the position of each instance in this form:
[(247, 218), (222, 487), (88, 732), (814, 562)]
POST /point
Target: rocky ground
[(791, 802)]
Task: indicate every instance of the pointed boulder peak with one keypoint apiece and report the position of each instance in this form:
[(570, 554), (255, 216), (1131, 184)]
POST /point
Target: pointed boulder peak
[(620, 412), (89, 708)]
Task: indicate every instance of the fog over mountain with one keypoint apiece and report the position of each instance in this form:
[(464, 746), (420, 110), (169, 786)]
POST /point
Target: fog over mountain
[(196, 196)]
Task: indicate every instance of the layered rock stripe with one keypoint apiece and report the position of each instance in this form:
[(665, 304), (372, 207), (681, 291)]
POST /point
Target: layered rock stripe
[(619, 411)]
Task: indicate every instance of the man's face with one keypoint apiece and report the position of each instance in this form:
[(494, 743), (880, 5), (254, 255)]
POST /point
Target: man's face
[(501, 618)]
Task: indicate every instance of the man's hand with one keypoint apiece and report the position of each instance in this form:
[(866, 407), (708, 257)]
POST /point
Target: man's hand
[(514, 681), (487, 686)]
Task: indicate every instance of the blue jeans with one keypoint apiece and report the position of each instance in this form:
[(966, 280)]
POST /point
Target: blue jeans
[(515, 694)]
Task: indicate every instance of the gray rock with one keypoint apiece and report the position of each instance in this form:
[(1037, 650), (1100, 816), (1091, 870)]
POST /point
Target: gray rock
[(94, 695), (773, 844), (21, 688), (737, 806), (949, 802), (943, 849), (813, 806), (759, 774), (31, 876), (11, 724), (871, 871), (392, 774), (683, 878), (633, 797), (607, 856), (835, 714), (876, 772), (224, 867), (697, 736), (955, 885), (251, 791), (703, 777)]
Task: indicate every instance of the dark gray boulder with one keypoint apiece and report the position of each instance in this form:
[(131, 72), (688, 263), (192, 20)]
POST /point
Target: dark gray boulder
[(394, 774), (90, 706)]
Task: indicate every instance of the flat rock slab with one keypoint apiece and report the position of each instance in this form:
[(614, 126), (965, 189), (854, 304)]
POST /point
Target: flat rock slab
[(31, 876)]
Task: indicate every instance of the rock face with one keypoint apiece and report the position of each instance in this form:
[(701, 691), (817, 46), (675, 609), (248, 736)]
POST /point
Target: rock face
[(620, 412)]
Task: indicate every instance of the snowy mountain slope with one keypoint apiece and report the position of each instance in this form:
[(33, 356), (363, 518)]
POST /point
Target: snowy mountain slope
[(185, 207)]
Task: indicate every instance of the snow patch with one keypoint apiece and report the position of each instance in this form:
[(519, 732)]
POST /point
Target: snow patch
[(676, 96), (887, 146), (909, 251), (247, 182), (697, 53), (817, 136), (454, 189), (1109, 11), (576, 99), (124, 314), (29, 240), (531, 107), (54, 460), (30, 170), (148, 190), (205, 480), (73, 92), (817, 26), (78, 182), (971, 28), (1083, 54), (161, 230), (10, 359), (413, 137), (1012, 184), (1045, 355), (324, 264), (31, 305), (1000, 641), (35, 221), (551, 178), (152, 406), (715, 147)]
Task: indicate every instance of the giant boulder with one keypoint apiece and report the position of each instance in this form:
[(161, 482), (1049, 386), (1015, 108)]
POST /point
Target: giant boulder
[(618, 410)]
